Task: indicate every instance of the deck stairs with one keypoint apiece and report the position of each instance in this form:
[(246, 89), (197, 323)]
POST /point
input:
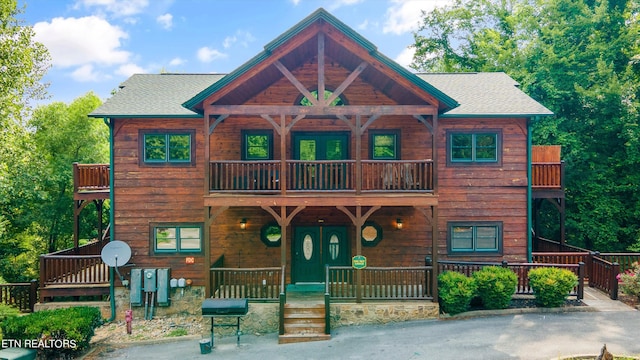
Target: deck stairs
[(304, 314)]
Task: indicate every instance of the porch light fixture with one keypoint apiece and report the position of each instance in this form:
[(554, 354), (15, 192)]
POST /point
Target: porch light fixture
[(399, 224), (243, 224)]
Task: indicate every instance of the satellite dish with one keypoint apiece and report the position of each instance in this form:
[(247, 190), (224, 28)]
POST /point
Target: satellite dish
[(116, 253)]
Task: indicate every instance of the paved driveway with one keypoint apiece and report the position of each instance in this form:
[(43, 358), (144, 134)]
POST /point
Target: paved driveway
[(524, 336)]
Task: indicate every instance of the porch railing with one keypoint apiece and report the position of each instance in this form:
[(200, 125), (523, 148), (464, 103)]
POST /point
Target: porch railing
[(72, 270), (603, 276), (21, 295), (547, 175), (264, 176), (520, 269), (90, 177), (259, 284), (381, 283)]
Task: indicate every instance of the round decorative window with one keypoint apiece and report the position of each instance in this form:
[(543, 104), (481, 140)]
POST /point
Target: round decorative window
[(271, 234), (371, 234)]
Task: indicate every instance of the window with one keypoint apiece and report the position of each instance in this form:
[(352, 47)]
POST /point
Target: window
[(160, 148), (475, 238), (384, 145), (257, 145), (172, 238), (338, 101), (474, 148)]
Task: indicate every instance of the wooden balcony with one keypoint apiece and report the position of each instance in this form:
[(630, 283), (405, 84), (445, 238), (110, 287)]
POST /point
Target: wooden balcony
[(321, 176), (90, 181), (547, 172)]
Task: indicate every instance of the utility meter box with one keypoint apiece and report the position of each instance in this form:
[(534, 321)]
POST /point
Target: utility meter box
[(135, 287), (163, 287), (149, 281)]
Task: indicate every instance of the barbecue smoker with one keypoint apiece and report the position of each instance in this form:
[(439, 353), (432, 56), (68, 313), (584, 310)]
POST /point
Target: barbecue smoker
[(225, 308)]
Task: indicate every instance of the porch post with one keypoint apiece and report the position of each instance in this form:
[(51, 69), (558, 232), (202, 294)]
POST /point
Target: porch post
[(206, 234), (434, 252), (358, 135), (358, 252), (282, 220)]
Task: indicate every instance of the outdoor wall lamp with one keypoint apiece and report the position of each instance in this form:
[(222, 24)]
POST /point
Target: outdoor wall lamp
[(399, 224), (243, 224)]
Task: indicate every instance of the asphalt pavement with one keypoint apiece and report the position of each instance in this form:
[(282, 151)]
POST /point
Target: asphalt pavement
[(528, 335)]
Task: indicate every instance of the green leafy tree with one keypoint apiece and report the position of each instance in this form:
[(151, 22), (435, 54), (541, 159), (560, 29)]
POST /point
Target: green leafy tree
[(23, 63), (579, 58)]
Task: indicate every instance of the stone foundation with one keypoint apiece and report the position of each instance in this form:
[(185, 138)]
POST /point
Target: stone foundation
[(263, 317)]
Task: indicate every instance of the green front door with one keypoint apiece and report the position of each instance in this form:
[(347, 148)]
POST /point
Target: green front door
[(315, 246)]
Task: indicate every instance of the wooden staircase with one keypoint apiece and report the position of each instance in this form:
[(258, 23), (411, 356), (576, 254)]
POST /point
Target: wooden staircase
[(304, 316)]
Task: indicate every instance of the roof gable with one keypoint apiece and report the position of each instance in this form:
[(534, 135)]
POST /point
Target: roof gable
[(296, 42)]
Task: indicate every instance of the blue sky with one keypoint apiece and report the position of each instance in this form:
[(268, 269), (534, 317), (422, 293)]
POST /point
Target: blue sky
[(97, 44)]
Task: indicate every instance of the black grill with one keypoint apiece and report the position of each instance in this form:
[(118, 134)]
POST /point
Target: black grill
[(225, 308), (229, 307)]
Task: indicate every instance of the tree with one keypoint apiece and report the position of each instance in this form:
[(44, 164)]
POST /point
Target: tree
[(581, 59), (64, 135), (23, 63)]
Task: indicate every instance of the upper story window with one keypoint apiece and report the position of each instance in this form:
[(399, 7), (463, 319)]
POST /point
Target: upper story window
[(257, 145), (167, 148), (177, 238), (474, 238), (482, 147), (384, 145), (339, 101)]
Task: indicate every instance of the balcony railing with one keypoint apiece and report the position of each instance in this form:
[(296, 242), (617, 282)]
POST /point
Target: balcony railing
[(547, 175), (90, 177), (264, 176)]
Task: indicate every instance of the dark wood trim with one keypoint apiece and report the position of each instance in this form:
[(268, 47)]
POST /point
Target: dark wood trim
[(365, 110), (321, 199)]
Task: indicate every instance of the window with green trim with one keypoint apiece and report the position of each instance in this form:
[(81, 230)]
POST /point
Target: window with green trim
[(167, 148), (257, 145), (474, 147), (474, 238), (172, 238), (384, 145)]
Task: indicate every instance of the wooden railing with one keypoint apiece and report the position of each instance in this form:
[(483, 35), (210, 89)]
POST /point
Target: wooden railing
[(625, 260), (90, 177), (398, 175), (520, 269), (21, 295), (546, 245), (259, 284), (381, 283), (547, 175), (264, 176), (72, 270), (603, 276)]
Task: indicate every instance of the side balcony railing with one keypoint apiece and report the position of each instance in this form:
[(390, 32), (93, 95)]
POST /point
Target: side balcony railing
[(342, 175), (90, 177), (256, 284), (547, 175)]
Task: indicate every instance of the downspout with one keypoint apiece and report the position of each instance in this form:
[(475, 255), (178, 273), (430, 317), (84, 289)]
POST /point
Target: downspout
[(112, 291), (529, 193)]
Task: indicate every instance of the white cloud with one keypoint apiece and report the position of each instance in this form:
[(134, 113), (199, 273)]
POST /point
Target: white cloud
[(242, 37), (127, 70), (405, 15), (206, 54), (85, 73), (166, 21), (295, 2), (340, 3), (177, 61), (82, 41), (406, 56), (363, 25), (118, 8)]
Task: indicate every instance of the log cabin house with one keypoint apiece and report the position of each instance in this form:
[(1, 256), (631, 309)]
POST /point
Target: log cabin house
[(317, 156)]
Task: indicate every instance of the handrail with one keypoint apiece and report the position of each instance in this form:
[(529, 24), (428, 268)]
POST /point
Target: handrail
[(90, 177), (261, 284)]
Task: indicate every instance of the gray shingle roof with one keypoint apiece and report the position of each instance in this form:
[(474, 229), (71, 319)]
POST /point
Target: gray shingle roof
[(156, 95), (485, 95), (479, 95)]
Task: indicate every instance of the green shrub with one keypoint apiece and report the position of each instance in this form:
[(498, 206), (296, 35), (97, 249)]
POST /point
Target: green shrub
[(551, 286), (630, 281), (455, 292), (7, 311), (496, 285), (59, 331)]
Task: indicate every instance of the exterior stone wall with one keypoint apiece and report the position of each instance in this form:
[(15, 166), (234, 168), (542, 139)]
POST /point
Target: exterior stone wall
[(263, 317)]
